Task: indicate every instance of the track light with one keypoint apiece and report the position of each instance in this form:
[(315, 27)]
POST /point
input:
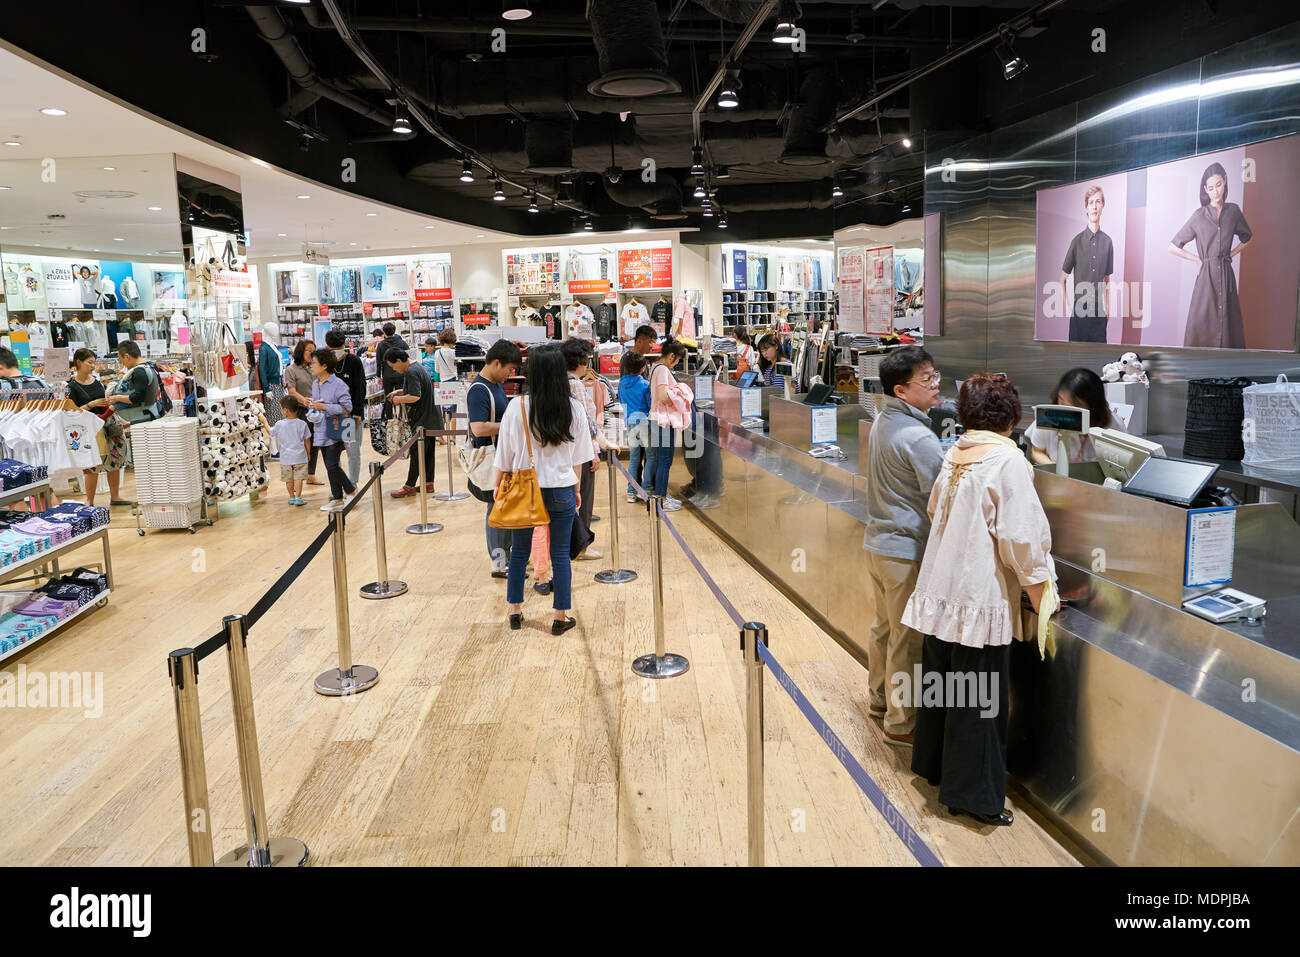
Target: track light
[(515, 10), (402, 124), (722, 221), (587, 224), (708, 212), (532, 206), (466, 171), (700, 191), (499, 194), (785, 29), (729, 98), (907, 207), (1012, 65), (836, 192), (697, 160), (907, 143)]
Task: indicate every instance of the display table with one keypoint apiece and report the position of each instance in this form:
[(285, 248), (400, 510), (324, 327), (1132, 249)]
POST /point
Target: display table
[(1140, 711)]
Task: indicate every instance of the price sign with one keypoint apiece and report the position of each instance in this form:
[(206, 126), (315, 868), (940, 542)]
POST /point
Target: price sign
[(751, 402), (704, 387), (823, 424)]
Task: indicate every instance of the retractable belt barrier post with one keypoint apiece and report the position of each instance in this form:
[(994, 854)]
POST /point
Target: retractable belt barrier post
[(183, 669), (347, 678), (451, 495), (750, 636), (614, 575), (262, 850), (425, 527), (660, 664), (383, 587)]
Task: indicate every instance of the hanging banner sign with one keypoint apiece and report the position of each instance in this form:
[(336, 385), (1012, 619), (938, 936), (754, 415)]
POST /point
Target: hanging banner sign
[(878, 291), (432, 295), (323, 309), (582, 286), (848, 273), (739, 269), (645, 268)]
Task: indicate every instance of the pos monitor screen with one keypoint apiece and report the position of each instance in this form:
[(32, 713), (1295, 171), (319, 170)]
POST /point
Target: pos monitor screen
[(747, 379), (1171, 480), (1119, 454)]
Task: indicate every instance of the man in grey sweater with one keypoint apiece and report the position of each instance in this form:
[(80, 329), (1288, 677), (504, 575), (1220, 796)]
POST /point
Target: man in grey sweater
[(903, 460)]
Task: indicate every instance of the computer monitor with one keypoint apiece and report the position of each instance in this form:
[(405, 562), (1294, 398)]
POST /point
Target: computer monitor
[(785, 368), (1119, 454), (747, 379), (818, 394), (1062, 418), (1177, 481)]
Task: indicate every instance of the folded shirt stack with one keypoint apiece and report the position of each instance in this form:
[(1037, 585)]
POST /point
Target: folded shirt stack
[(56, 532), (82, 518), (15, 474), (18, 629), (68, 589), (88, 576), (42, 606), (15, 547), (10, 517)]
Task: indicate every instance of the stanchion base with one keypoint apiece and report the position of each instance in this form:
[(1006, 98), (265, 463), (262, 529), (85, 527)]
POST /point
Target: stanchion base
[(652, 666), (388, 589), (451, 496), (333, 682), (285, 852), (616, 576), (427, 529)]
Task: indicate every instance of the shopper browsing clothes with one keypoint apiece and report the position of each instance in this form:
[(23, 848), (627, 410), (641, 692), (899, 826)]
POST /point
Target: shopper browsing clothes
[(486, 400), (293, 438), (988, 541), (330, 405), (545, 430), (88, 394), (298, 382), (903, 459), (137, 398), (416, 390), (669, 414), (1083, 389)]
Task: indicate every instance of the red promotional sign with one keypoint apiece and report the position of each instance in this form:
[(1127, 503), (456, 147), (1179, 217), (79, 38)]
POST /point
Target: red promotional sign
[(257, 339), (323, 310), (589, 285), (367, 307), (476, 319), (645, 268), (432, 295)]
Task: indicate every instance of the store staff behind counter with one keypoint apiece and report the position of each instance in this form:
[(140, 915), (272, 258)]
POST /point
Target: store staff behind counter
[(1138, 709)]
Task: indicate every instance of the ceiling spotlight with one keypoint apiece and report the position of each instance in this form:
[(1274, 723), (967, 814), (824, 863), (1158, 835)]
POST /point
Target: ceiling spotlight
[(303, 196), (372, 214), (722, 221), (498, 194), (53, 111), (1012, 65), (587, 224), (785, 29), (12, 143), (700, 192), (282, 235), (118, 239), (836, 192), (4, 187), (729, 98), (402, 124), (697, 160), (532, 206), (466, 171), (907, 207), (515, 10), (155, 209), (907, 143), (707, 212), (110, 169), (428, 227)]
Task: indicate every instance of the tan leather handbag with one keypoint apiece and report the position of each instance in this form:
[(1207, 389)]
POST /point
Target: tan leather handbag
[(518, 502)]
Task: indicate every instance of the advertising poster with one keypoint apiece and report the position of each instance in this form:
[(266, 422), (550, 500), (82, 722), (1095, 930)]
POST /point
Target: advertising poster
[(848, 272), (1199, 253), (306, 279), (645, 268), (739, 269), (61, 289), (113, 276), (430, 282), (286, 286), (878, 290), (168, 288), (24, 284), (385, 281)]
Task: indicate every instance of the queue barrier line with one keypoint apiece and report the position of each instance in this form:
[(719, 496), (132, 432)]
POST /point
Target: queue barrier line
[(757, 638)]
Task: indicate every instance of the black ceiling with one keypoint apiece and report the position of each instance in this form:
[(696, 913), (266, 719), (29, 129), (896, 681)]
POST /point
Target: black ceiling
[(276, 77)]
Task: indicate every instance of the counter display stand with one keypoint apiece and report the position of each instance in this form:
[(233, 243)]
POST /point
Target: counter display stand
[(50, 558)]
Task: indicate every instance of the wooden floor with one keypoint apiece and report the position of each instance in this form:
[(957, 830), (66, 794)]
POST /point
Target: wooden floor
[(479, 745)]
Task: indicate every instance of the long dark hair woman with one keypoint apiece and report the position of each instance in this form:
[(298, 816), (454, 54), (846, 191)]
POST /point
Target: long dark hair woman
[(297, 383), (663, 412), (555, 443), (1082, 389), (769, 354)]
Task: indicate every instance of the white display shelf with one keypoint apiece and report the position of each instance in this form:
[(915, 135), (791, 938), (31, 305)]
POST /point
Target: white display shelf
[(89, 606), (50, 554), (24, 491)]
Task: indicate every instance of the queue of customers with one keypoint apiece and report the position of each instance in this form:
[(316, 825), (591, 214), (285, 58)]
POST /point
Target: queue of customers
[(952, 541)]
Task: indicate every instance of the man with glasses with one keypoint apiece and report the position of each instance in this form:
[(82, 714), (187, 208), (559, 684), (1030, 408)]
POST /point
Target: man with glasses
[(903, 460)]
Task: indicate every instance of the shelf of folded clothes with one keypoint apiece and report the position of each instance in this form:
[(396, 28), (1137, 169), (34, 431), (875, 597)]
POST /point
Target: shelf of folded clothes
[(27, 618), (28, 539)]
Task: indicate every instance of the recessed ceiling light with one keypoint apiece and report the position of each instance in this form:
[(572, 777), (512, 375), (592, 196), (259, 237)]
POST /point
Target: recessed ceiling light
[(118, 239), (4, 187), (515, 10), (155, 209), (478, 235), (428, 227), (303, 196), (907, 143), (282, 235), (53, 111), (12, 143), (351, 244), (109, 169), (372, 214)]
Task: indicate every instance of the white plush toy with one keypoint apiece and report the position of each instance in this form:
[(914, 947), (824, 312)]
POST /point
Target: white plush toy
[(1134, 369), (1111, 372)]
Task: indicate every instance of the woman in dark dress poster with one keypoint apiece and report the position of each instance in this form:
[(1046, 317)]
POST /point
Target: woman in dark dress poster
[(1214, 318)]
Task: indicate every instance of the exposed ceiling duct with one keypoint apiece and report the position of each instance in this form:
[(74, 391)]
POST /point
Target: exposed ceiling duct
[(805, 137), (757, 197), (631, 190), (630, 45), (548, 140)]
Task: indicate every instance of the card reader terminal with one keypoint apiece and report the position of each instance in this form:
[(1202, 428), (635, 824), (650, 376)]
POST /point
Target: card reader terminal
[(1227, 604)]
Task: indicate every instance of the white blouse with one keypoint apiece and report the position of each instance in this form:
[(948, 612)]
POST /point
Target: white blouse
[(554, 463), (989, 537)]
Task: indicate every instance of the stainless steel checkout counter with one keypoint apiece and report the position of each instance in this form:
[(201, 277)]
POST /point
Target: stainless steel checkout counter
[(1152, 736)]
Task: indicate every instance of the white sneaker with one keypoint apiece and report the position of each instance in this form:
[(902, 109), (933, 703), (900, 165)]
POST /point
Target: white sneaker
[(631, 499), (333, 506), (671, 505), (590, 555)]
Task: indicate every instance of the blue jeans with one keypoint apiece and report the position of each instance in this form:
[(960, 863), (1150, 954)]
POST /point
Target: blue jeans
[(658, 459), (636, 457), (498, 544), (562, 505)]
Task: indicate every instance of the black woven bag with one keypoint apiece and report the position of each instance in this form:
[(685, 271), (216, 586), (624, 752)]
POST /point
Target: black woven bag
[(1214, 414)]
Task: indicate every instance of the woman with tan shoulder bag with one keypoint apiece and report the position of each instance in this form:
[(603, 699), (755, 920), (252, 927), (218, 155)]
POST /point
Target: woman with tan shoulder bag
[(541, 448)]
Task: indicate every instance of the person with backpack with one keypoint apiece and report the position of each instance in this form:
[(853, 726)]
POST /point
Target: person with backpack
[(137, 398), (486, 401)]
